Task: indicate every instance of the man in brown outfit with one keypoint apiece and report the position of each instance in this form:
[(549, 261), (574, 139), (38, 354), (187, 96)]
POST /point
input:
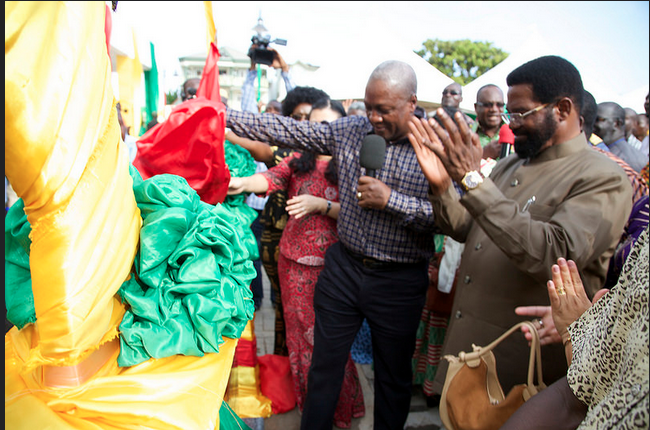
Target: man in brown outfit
[(558, 198)]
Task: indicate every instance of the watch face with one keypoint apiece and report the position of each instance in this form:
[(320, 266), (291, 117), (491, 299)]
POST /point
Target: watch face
[(472, 180)]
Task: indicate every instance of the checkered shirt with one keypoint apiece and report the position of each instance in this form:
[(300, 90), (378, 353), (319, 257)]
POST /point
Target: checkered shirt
[(403, 231)]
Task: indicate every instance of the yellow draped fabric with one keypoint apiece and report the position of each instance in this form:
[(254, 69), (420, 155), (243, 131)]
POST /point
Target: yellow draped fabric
[(65, 159)]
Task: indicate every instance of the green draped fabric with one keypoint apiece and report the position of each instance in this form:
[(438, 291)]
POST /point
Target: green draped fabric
[(19, 298), (192, 274), (240, 163), (229, 420)]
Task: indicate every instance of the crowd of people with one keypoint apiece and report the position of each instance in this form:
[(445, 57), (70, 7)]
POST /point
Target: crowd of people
[(449, 243), (510, 217)]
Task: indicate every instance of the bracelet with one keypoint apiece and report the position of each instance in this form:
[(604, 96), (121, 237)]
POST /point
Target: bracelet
[(329, 206)]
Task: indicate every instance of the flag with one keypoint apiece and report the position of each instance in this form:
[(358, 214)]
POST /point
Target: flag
[(211, 30), (190, 142), (152, 96)]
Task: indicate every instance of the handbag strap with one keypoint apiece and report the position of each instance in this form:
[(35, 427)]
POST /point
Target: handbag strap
[(534, 361)]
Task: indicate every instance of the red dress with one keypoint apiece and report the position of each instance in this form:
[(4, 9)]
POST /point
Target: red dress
[(302, 251)]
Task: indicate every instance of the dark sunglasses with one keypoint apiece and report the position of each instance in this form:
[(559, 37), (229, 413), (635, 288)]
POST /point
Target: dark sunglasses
[(453, 93), (490, 104)]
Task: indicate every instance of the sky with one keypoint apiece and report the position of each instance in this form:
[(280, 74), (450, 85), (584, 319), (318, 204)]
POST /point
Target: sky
[(611, 37)]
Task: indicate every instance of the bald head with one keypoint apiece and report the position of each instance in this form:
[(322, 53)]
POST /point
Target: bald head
[(452, 95), (397, 75), (391, 99), (610, 122)]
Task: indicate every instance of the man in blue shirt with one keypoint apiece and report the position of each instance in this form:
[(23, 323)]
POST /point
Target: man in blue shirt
[(610, 126)]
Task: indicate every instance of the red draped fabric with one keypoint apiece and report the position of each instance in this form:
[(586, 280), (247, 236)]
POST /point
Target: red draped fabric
[(190, 143)]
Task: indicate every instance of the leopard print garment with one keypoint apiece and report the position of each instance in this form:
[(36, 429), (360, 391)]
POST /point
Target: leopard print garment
[(610, 367)]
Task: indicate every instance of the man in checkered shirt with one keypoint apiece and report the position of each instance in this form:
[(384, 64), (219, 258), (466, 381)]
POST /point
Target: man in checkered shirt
[(378, 269)]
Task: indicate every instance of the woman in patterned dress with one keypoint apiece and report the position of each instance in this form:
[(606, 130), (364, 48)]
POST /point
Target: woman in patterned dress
[(606, 346)]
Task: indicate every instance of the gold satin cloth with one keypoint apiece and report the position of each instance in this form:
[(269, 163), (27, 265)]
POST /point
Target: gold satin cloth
[(244, 394), (64, 157)]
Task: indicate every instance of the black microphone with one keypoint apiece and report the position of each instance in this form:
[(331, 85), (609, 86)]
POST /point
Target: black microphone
[(372, 153)]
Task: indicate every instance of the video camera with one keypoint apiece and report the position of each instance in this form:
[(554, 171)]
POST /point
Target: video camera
[(262, 54)]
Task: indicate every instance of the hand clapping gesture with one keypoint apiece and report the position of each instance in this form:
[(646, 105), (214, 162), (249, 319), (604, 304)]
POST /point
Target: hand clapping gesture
[(446, 151), (568, 301)]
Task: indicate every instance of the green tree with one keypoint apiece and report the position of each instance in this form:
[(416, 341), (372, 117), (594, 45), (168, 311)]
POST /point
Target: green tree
[(170, 97), (461, 60)]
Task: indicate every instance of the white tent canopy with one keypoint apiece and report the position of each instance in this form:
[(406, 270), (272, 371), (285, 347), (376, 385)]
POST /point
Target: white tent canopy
[(634, 99), (533, 47), (349, 81), (344, 69)]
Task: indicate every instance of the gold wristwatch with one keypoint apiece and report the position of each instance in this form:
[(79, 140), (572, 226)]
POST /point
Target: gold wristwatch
[(471, 180)]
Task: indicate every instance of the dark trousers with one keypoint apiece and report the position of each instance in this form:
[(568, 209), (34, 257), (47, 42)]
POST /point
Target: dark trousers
[(391, 299), (270, 253), (256, 285)]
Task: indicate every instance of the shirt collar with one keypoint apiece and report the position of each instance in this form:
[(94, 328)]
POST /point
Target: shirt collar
[(563, 149)]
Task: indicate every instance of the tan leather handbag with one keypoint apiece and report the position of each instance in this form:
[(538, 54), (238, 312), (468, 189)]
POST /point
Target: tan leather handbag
[(472, 397)]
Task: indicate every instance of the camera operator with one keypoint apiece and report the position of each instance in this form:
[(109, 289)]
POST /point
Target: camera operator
[(248, 93)]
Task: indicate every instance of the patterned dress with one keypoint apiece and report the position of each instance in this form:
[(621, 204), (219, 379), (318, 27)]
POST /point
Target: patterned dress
[(301, 258), (610, 367), (273, 219), (432, 328)]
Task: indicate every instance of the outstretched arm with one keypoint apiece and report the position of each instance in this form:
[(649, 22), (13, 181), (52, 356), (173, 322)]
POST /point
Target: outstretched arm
[(259, 150), (256, 183)]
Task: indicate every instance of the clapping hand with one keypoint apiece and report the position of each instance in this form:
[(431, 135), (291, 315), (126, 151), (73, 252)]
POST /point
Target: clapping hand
[(460, 149), (423, 139), (568, 301)]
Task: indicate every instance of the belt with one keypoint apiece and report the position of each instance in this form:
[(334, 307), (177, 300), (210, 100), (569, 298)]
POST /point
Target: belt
[(373, 263)]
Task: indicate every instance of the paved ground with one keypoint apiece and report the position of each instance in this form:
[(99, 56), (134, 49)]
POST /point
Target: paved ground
[(420, 418)]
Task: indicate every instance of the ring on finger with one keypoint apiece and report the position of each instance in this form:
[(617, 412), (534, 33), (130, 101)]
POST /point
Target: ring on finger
[(561, 291), (541, 323), (359, 195)]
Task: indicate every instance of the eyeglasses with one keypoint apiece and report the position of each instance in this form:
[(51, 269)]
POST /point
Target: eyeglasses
[(500, 105), (300, 116), (453, 93), (514, 116)]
